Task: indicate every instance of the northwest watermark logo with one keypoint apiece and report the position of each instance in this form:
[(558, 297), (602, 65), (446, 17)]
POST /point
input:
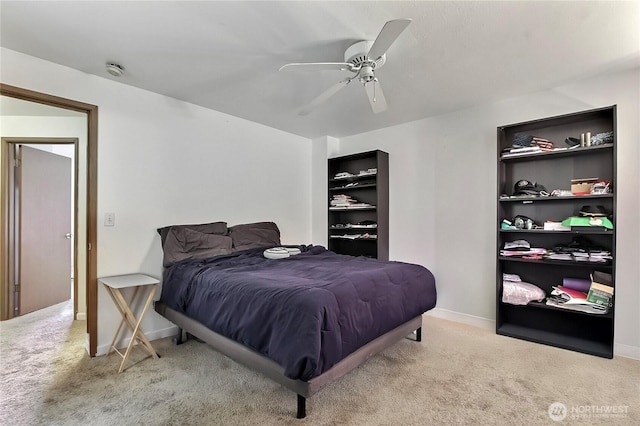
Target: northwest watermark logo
[(558, 411)]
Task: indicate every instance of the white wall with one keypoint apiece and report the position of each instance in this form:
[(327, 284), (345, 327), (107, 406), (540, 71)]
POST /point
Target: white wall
[(322, 149), (61, 127), (162, 162), (443, 201)]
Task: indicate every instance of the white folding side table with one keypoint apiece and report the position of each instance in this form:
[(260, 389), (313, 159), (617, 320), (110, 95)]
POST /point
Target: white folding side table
[(114, 285)]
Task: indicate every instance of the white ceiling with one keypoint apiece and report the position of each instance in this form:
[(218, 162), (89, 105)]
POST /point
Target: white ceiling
[(226, 55)]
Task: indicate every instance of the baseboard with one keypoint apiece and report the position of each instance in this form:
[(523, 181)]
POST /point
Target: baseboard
[(152, 335), (475, 321), (625, 351), (87, 345)]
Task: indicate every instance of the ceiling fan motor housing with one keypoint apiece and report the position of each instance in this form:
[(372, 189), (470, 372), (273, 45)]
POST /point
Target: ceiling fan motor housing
[(356, 54)]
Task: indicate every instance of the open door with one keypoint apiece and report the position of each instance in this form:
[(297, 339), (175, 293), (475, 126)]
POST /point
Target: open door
[(43, 229), (87, 158)]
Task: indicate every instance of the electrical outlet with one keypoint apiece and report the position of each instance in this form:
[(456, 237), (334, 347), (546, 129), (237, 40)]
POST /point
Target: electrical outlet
[(109, 219)]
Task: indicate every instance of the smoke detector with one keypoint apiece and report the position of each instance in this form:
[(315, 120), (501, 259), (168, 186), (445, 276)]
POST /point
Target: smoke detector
[(115, 69)]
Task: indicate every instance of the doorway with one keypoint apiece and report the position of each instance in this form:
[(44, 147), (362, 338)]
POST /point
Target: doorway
[(89, 206), (42, 219)]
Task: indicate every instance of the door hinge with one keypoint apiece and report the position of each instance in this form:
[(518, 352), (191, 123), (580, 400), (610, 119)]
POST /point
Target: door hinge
[(89, 247), (17, 162), (17, 288)]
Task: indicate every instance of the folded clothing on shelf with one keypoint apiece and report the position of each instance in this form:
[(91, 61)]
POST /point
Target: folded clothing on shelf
[(343, 175), (602, 138), (366, 236), (517, 245), (580, 249)]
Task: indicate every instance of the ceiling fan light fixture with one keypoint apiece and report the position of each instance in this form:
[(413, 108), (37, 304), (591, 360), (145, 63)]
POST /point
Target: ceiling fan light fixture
[(366, 74), (114, 69)]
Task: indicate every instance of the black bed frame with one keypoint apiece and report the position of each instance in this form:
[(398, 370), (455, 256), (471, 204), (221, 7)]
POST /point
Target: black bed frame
[(269, 368)]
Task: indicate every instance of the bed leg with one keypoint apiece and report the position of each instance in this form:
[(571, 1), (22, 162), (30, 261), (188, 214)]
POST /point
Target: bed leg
[(419, 334), (302, 407), (180, 338)]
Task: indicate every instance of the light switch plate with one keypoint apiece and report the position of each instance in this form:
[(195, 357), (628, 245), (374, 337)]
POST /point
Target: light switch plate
[(109, 219)]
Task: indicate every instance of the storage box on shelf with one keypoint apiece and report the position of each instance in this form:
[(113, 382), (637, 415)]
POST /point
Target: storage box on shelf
[(358, 194), (556, 168)]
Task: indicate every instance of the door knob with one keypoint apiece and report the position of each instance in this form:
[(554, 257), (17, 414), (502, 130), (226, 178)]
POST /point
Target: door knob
[(68, 235)]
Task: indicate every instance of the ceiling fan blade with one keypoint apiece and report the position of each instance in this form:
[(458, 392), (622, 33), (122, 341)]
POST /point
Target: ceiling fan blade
[(387, 36), (317, 66), (376, 97), (323, 97)]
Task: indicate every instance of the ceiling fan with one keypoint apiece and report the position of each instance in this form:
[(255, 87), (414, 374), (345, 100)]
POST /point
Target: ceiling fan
[(362, 59)]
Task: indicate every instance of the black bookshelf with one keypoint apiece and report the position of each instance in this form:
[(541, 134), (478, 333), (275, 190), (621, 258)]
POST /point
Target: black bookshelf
[(369, 188), (537, 322)]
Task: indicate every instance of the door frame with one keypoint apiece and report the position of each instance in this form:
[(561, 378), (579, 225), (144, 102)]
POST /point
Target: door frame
[(7, 145), (91, 207)]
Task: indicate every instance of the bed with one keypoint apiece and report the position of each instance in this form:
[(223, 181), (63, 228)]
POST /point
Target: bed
[(303, 320)]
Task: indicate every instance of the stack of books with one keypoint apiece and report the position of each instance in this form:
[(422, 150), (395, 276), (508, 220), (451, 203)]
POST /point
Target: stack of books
[(601, 290)]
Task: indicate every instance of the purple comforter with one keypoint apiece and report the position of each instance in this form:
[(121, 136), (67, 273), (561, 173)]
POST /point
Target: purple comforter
[(305, 312)]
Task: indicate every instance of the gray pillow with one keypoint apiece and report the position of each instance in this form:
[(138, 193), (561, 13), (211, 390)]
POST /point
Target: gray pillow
[(183, 243), (219, 228), (253, 235)]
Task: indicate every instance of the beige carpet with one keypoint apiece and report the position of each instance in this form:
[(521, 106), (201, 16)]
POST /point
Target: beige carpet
[(457, 375)]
